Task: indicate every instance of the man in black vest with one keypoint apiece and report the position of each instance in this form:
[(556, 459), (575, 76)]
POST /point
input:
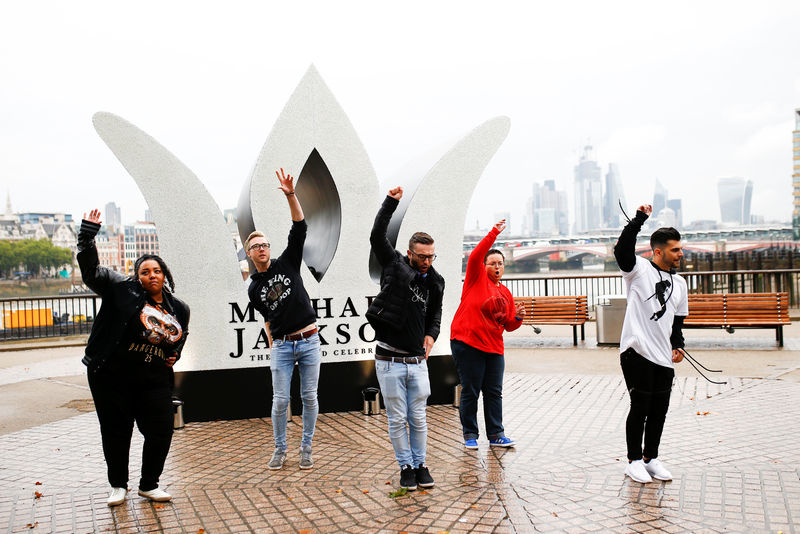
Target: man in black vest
[(406, 316)]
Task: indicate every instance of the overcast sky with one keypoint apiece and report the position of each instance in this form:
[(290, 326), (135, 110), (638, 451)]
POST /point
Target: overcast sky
[(686, 92)]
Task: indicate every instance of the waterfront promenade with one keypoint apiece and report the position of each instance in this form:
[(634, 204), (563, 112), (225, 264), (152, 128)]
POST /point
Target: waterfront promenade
[(732, 450)]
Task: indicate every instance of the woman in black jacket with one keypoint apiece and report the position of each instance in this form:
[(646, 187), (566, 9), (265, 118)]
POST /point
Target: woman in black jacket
[(136, 338)]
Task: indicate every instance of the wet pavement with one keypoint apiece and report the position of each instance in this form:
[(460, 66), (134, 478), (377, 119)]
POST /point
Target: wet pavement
[(732, 450)]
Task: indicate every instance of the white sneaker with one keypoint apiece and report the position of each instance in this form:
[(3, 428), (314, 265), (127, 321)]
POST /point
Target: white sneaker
[(117, 496), (157, 495), (637, 471), (657, 470)]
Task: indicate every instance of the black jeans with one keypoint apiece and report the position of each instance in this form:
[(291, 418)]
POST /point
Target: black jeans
[(649, 386), (479, 372), (122, 395)]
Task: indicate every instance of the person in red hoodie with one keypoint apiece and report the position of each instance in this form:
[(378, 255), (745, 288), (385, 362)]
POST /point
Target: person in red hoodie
[(476, 340)]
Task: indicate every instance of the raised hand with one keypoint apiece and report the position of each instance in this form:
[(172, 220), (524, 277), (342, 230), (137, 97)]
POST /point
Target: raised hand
[(501, 225), (94, 216), (647, 209), (520, 309), (287, 182), (396, 193)]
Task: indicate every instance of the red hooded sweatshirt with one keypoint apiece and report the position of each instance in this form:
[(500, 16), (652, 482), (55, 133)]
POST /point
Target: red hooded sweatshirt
[(486, 309)]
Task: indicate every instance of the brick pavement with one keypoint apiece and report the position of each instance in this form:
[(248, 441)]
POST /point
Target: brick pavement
[(735, 470)]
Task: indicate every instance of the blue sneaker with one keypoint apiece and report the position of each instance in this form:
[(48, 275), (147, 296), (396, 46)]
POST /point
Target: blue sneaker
[(471, 444), (501, 442)]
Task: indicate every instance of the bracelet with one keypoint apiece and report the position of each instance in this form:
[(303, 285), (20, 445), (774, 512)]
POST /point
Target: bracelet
[(517, 318), (288, 194)]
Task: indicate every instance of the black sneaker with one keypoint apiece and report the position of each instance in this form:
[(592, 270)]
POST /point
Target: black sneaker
[(408, 478), (424, 477)]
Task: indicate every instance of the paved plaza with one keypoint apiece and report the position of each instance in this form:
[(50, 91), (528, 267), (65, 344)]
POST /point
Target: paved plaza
[(732, 450)]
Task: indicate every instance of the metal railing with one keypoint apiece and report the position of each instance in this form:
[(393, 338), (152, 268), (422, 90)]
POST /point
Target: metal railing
[(595, 286), (39, 317)]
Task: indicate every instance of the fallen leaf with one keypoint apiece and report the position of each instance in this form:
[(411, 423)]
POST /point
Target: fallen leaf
[(398, 493), (422, 492), (364, 491), (158, 506), (305, 531), (474, 506), (38, 484), (37, 495), (32, 525), (201, 531), (339, 490), (555, 514), (388, 483)]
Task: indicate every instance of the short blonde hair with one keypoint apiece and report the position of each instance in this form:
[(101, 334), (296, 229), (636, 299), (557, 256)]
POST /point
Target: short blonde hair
[(250, 237)]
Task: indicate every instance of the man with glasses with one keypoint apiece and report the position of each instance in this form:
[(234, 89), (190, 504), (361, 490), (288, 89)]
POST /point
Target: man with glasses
[(651, 341), (277, 292), (406, 316)]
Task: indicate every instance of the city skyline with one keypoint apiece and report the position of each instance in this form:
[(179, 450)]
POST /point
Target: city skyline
[(707, 91)]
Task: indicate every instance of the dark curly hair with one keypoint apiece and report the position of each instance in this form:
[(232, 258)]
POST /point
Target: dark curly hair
[(167, 274)]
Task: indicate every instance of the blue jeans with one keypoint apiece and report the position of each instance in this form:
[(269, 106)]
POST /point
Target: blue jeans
[(283, 357), (405, 388), (479, 372)]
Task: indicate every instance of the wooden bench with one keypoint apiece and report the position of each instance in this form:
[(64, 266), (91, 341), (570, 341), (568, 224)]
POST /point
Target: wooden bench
[(570, 310), (740, 310)]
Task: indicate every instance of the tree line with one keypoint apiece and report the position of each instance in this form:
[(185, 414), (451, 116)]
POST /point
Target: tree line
[(31, 255)]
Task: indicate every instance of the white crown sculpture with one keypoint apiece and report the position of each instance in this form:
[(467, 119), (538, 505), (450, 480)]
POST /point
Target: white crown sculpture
[(340, 195)]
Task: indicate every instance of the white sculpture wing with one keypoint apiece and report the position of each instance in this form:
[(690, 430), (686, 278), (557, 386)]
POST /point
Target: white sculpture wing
[(193, 237), (439, 207)]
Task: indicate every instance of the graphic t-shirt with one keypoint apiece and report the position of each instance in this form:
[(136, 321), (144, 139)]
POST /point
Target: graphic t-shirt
[(655, 297), (278, 293), (152, 335)]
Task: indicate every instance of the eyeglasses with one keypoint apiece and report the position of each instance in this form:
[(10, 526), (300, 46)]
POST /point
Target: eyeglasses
[(259, 246), (424, 257)]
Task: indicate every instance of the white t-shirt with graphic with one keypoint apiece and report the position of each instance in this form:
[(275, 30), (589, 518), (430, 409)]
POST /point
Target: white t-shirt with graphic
[(654, 299)]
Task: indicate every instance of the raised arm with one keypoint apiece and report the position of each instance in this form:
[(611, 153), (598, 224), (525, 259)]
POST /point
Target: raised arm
[(475, 260), (287, 186), (625, 249), (299, 230), (381, 246), (96, 277)]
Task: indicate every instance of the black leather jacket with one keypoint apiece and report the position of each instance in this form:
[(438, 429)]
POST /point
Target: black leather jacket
[(391, 305), (123, 299)]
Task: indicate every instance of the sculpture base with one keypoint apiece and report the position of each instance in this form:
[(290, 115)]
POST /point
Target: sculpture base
[(247, 393)]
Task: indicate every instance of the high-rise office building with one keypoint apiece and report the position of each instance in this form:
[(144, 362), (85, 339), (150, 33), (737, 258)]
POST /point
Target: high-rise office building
[(614, 195), (676, 206), (547, 210), (660, 197), (588, 193), (499, 215), (796, 175), (735, 194), (113, 217)]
